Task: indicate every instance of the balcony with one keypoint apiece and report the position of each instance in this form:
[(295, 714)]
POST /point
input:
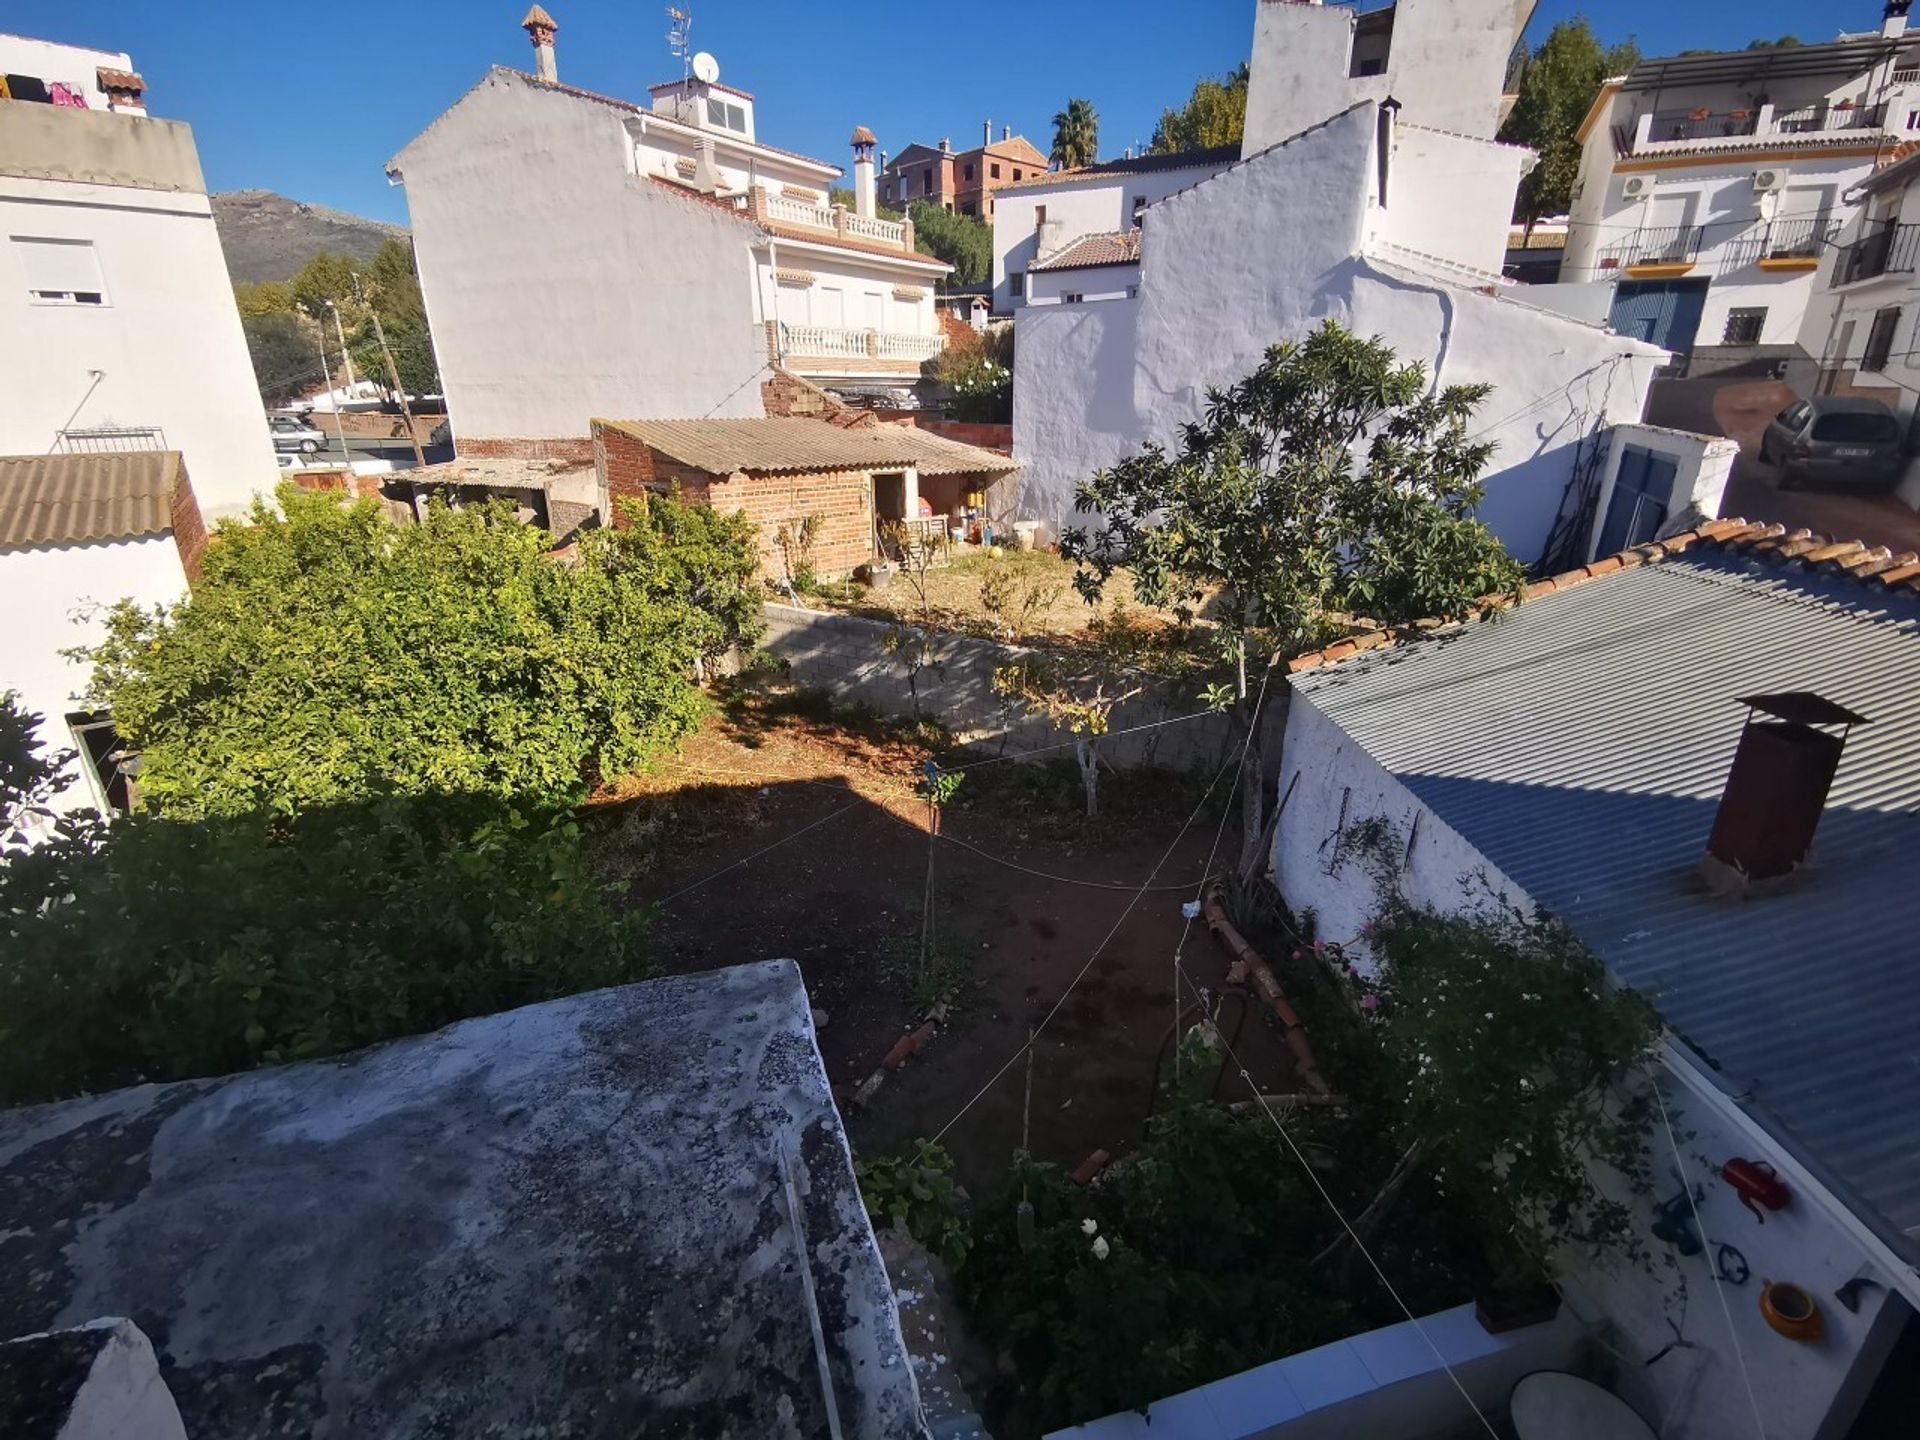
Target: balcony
[(1663, 253), (1667, 132), (1780, 245), (830, 222), (840, 349), (1888, 250)]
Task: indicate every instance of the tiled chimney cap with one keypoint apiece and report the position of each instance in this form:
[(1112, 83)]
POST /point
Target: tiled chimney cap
[(122, 82), (539, 24), (863, 136)]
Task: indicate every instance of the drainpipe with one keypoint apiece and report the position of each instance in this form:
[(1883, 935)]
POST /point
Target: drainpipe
[(1261, 974)]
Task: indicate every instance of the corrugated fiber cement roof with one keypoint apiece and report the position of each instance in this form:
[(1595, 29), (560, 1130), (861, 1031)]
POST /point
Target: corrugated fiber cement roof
[(779, 444), (1581, 743), (48, 500)]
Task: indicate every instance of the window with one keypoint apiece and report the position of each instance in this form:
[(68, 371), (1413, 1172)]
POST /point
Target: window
[(1642, 492), (1374, 66), (1016, 283), (995, 169), (1016, 172), (1795, 415), (967, 209), (1071, 297), (108, 765), (60, 272), (1139, 204), (726, 115), (1880, 340), (1855, 427), (1039, 215), (969, 172), (926, 182), (1744, 326)]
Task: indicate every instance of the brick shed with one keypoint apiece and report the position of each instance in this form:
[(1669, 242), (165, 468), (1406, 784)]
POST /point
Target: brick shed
[(781, 469)]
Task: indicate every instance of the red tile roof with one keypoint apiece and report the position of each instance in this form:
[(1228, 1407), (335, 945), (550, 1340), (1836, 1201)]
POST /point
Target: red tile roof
[(1117, 247), (1871, 565)]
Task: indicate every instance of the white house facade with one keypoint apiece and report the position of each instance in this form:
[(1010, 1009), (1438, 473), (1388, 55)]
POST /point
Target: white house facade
[(1712, 185), (645, 257), (121, 330)]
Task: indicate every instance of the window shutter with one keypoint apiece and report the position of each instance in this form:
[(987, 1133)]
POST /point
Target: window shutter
[(59, 266)]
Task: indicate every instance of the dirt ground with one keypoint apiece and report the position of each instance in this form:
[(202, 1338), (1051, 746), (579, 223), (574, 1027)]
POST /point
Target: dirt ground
[(1041, 595), (845, 899)]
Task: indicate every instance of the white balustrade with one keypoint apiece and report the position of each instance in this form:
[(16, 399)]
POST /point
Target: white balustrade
[(788, 211), (887, 232)]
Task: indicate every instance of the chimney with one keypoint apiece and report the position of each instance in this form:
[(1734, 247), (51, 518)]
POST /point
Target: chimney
[(946, 146), (863, 143), (1894, 19), (986, 132), (1777, 786), (540, 27), (1006, 132)]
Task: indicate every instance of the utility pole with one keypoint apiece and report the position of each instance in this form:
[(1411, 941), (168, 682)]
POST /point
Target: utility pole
[(340, 330), (326, 376), (393, 374)]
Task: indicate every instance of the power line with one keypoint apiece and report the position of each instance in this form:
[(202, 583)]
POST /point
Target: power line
[(1068, 744)]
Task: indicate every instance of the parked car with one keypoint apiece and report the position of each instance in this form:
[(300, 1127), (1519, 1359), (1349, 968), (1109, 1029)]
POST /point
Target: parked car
[(1835, 440), (292, 433)]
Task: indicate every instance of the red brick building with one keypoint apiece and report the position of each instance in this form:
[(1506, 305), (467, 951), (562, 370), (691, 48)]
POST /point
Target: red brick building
[(962, 181)]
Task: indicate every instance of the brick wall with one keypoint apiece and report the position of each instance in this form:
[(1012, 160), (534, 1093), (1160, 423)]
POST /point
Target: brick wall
[(189, 526), (564, 447), (843, 500)]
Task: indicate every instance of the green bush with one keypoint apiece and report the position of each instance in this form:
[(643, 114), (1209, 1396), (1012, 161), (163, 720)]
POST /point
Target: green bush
[(328, 656), (166, 949)]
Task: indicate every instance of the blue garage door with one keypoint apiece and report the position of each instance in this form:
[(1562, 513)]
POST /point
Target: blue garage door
[(1661, 312)]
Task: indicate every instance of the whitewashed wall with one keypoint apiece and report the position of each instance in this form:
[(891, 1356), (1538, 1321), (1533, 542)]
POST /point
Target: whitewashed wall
[(560, 285), (56, 599), (1092, 284), (1451, 196), (1074, 208), (1703, 466), (1095, 382), (1811, 1244), (167, 341), (72, 65)]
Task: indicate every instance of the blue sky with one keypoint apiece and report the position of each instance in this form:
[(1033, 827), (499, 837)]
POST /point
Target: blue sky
[(310, 100)]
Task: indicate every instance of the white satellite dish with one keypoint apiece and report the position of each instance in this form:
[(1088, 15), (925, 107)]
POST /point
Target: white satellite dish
[(706, 68)]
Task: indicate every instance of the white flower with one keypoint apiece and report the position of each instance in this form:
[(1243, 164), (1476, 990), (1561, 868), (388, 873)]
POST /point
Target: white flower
[(1099, 1246), (1089, 1227)]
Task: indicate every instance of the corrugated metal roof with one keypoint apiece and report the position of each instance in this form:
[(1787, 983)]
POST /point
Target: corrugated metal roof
[(1581, 743), (1116, 247), (1214, 158), (782, 444), (80, 499)]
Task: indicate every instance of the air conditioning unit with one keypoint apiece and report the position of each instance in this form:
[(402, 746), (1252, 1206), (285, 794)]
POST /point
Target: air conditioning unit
[(1636, 187), (1768, 182)]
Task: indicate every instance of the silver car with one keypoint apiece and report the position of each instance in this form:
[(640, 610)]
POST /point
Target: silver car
[(1835, 440), (292, 433)]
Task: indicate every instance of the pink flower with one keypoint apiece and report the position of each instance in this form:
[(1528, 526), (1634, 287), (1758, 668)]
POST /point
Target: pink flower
[(1319, 946), (1367, 929), (1370, 1002), (1296, 954)]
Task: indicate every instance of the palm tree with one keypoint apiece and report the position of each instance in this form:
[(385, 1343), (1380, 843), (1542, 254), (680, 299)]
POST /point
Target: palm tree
[(1076, 135)]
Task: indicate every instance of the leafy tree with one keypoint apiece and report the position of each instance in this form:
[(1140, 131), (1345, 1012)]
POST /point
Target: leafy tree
[(1557, 89), (327, 276), (164, 949), (977, 376), (1783, 43), (1215, 114), (843, 195), (963, 241), (38, 843), (268, 297), (328, 656), (1330, 479), (285, 355), (1076, 135)]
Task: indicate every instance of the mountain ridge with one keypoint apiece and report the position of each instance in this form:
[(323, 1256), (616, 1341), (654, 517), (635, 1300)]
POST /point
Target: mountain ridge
[(268, 236)]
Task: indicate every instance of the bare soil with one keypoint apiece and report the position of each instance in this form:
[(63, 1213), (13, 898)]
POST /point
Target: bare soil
[(846, 900)]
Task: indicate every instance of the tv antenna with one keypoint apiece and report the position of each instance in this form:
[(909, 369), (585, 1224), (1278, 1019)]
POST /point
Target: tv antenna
[(679, 22)]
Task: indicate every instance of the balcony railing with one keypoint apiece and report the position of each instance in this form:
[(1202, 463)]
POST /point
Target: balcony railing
[(832, 221), (1814, 119), (1888, 250), (108, 439), (840, 342), (1700, 124), (1662, 128), (1783, 244), (1665, 245)]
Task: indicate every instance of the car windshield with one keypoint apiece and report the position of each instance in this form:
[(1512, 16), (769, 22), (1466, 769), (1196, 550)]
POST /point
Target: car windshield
[(1853, 427)]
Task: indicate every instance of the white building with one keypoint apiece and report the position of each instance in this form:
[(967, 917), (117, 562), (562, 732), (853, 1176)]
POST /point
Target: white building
[(1711, 185), (78, 533), (1579, 757), (1371, 217), (645, 258), (117, 311)]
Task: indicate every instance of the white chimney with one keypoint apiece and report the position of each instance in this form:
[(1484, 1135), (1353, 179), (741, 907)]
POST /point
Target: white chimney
[(1894, 22), (863, 143), (540, 27), (986, 132), (1006, 132)]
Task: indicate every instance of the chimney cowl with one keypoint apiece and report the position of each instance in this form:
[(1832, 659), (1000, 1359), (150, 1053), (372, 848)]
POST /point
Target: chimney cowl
[(946, 145), (540, 27), (1006, 132), (1777, 786)]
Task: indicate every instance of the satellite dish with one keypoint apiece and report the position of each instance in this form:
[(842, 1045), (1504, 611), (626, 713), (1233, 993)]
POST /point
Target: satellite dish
[(706, 68)]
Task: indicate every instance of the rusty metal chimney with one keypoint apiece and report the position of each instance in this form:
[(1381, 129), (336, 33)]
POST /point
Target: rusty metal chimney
[(1777, 786)]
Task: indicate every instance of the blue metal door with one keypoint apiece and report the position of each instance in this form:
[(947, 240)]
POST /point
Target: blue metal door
[(1642, 496), (1661, 312)]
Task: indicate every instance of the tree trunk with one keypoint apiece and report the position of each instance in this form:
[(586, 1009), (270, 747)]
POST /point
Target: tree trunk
[(1369, 1220), (1089, 761)]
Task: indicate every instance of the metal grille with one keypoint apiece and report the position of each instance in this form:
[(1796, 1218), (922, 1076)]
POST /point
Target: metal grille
[(111, 439)]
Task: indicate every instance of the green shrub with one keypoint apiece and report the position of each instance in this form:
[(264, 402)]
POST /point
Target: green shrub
[(916, 1189), (328, 656), (169, 949)]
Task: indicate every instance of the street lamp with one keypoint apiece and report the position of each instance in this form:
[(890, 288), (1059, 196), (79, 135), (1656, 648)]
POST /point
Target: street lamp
[(339, 330)]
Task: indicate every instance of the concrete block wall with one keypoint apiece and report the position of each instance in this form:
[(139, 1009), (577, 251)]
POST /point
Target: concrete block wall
[(844, 655)]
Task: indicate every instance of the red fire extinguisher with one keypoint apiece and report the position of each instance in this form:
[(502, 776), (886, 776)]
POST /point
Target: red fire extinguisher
[(1756, 1185)]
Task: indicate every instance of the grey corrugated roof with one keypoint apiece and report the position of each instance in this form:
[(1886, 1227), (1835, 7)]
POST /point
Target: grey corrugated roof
[(1581, 743), (781, 444), (84, 499)]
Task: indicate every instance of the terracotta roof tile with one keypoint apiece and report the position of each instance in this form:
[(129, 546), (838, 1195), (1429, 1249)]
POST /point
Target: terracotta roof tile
[(1869, 566), (1113, 247)]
